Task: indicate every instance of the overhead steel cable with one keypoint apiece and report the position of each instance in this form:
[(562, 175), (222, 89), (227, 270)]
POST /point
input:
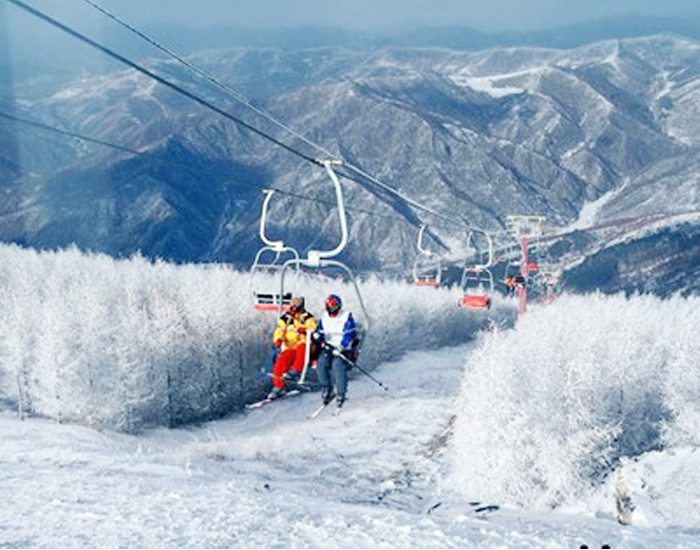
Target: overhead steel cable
[(239, 97), (403, 197), (50, 20), (387, 188), (170, 160), (75, 135), (210, 78), (372, 213)]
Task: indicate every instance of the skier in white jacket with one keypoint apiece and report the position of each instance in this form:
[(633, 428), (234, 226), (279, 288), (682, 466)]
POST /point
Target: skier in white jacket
[(338, 334)]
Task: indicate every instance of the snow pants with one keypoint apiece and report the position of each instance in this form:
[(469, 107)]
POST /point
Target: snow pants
[(288, 359), (333, 373)]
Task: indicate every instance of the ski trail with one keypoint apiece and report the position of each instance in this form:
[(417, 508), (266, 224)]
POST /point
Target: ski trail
[(354, 456), (370, 478)]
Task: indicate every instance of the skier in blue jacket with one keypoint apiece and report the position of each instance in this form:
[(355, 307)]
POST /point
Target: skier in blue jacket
[(338, 335)]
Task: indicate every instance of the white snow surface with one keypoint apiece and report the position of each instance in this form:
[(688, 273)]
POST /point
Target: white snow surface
[(589, 211), (372, 477), (527, 437), (489, 85)]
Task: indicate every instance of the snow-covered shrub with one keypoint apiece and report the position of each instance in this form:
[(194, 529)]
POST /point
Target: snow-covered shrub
[(132, 343), (546, 409)]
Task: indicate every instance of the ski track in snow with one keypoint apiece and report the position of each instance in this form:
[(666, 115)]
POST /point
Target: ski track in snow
[(369, 478)]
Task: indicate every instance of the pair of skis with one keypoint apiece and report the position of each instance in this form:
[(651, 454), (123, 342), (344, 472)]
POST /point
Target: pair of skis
[(317, 412), (264, 402), (323, 407), (268, 400)]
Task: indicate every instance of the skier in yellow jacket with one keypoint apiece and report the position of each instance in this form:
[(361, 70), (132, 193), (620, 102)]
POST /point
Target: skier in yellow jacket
[(290, 339)]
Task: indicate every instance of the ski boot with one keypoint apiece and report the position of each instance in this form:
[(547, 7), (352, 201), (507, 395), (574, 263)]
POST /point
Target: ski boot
[(275, 393), (328, 396)]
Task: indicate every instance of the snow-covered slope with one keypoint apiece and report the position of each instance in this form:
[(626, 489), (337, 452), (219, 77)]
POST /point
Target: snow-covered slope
[(526, 437), (380, 475), (125, 344), (580, 385)]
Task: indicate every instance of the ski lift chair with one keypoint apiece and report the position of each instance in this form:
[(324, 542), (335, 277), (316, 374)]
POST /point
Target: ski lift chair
[(477, 285), (318, 259), (511, 274), (477, 280), (427, 269), (551, 283), (533, 261), (269, 299), (427, 274)]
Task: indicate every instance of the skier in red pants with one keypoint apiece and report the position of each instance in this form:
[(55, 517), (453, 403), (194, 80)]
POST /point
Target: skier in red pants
[(290, 338)]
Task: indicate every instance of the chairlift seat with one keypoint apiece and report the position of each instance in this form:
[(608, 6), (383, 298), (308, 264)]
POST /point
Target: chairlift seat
[(475, 301), (271, 302)]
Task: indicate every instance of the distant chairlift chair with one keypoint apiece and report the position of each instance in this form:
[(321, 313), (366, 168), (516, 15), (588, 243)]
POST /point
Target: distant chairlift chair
[(427, 269), (477, 281)]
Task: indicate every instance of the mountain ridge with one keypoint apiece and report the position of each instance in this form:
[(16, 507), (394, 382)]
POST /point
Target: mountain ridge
[(476, 135)]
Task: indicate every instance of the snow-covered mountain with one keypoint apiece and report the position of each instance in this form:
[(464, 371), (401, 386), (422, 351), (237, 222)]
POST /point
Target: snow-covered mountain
[(472, 135)]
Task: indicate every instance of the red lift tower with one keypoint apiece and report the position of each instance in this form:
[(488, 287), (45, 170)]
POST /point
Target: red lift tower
[(524, 228)]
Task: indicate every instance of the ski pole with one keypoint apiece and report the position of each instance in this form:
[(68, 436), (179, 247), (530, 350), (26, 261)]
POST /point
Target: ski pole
[(338, 353)]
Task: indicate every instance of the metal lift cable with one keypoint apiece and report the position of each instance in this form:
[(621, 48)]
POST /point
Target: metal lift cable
[(75, 135), (237, 96), (213, 80), (154, 76), (209, 105)]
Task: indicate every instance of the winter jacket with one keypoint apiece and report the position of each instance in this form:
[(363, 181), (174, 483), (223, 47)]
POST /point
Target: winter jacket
[(292, 329), (339, 331)]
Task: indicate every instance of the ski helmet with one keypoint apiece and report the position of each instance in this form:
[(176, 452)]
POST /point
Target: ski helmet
[(333, 304)]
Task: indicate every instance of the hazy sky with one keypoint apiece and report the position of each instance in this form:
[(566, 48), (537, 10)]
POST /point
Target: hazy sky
[(479, 14), (487, 15)]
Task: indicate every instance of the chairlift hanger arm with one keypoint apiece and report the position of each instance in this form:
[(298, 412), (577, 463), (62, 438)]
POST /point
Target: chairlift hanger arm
[(275, 245), (316, 256), (489, 260), (420, 242)]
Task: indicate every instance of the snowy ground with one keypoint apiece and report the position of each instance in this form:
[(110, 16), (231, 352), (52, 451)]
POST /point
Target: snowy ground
[(372, 477)]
